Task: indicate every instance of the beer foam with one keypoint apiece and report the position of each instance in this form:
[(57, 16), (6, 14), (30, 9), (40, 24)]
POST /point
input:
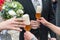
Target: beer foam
[(39, 9), (26, 19)]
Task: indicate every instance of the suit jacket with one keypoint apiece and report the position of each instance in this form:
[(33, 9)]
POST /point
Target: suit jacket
[(47, 13), (58, 17), (58, 13)]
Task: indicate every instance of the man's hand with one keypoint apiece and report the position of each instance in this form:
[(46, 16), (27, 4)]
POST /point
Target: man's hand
[(12, 24), (29, 36), (34, 24)]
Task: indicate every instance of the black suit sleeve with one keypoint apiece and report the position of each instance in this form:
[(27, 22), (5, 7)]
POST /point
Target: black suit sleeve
[(51, 19)]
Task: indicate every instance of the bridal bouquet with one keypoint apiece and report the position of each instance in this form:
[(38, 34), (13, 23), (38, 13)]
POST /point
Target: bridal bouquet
[(11, 9)]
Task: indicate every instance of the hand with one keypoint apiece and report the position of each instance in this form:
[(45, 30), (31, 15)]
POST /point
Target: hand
[(28, 36), (53, 0), (43, 21), (52, 39), (35, 24), (12, 24)]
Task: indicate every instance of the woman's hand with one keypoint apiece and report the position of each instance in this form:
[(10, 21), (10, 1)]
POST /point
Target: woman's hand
[(12, 24), (43, 21), (35, 24)]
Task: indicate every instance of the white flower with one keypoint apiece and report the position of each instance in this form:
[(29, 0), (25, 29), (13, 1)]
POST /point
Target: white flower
[(20, 11), (14, 5), (12, 12), (3, 7)]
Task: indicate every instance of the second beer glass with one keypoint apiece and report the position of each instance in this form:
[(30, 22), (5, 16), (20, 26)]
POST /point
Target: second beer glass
[(38, 12)]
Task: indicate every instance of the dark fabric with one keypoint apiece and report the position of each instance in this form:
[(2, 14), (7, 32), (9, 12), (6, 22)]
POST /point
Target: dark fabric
[(47, 13), (58, 17), (54, 6)]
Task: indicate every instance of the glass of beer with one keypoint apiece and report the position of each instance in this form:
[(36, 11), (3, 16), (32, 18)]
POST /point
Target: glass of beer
[(27, 28), (27, 22), (38, 12)]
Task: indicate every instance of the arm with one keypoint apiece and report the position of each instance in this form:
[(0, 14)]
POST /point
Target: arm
[(54, 28), (50, 25), (51, 18)]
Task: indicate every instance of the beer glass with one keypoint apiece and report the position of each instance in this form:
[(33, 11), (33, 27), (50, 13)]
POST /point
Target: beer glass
[(27, 22), (38, 12)]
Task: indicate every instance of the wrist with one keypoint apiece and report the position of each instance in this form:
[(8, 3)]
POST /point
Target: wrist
[(47, 24), (1, 27)]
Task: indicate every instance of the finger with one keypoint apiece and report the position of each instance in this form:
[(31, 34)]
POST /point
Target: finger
[(38, 20), (17, 29), (19, 26), (35, 26), (33, 21), (19, 20), (42, 18), (18, 23)]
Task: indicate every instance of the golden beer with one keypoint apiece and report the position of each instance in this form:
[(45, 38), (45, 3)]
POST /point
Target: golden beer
[(38, 12), (38, 15), (27, 22), (27, 28)]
